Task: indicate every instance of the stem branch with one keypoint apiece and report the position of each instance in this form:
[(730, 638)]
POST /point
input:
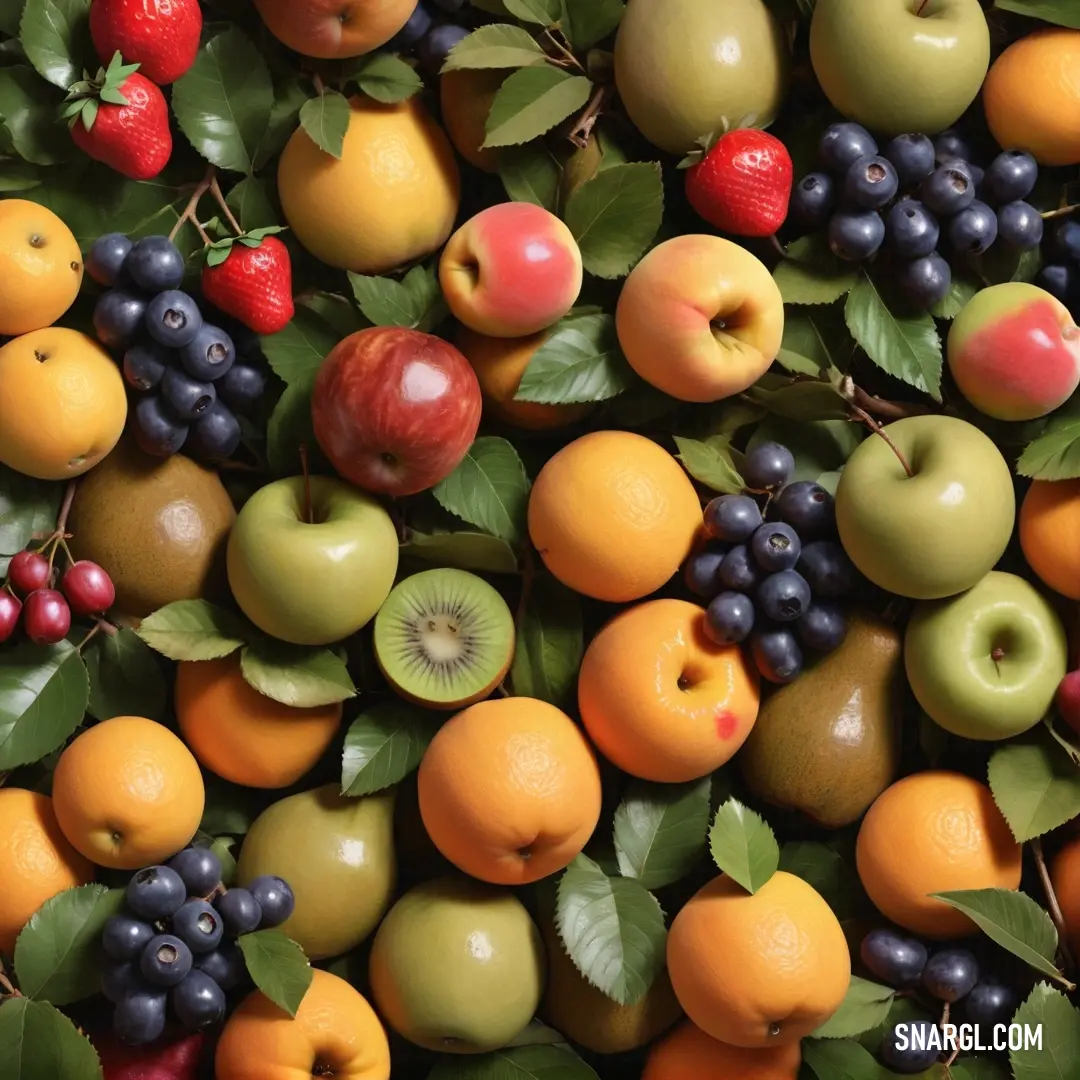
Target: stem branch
[(201, 188), (877, 429), (1061, 211), (894, 410), (215, 190), (584, 124), (1052, 903), (565, 55)]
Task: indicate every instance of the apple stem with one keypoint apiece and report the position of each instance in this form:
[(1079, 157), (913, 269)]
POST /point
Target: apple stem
[(317, 83), (308, 517), (877, 429), (188, 214), (1052, 902), (919, 9), (894, 410)]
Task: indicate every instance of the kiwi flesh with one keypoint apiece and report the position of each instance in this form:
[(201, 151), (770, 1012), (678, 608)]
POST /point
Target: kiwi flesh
[(444, 638)]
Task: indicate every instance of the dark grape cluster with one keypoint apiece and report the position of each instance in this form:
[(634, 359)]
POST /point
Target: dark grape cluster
[(773, 580), (1060, 275), (431, 35), (919, 201), (175, 945), (185, 379)]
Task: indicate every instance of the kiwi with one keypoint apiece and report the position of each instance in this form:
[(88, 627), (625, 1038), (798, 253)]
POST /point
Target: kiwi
[(444, 638)]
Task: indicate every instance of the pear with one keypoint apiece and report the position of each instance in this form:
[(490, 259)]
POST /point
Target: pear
[(337, 854), (827, 744)]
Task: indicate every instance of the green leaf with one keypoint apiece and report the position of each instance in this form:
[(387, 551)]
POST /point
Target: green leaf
[(615, 216), (125, 678), (223, 102), (1055, 454), (587, 22), (840, 1059), (28, 110), (326, 119), (802, 399), (20, 176), (612, 928), (384, 744), (1060, 12), (534, 1062), (58, 955), (290, 426), (277, 966), (335, 309), (812, 342), (38, 1042), (55, 36), (579, 361), (489, 489), (531, 174), (1035, 785), (297, 352), (386, 78), (743, 846), (550, 643), (496, 46), (661, 830), (1060, 1051), (230, 809), (960, 292), (540, 12), (905, 346), (531, 102), (415, 302), (465, 550), (193, 630), (971, 1068), (818, 446), (294, 674), (289, 97), (710, 463), (43, 696), (865, 1005), (811, 274), (250, 202), (27, 506), (10, 14), (823, 867)]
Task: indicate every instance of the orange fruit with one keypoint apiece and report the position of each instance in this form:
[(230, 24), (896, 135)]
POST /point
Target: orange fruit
[(128, 793), (1032, 96), (932, 832), (613, 515), (689, 1054), (660, 699), (243, 735), (335, 1033), (62, 403), (1050, 533), (509, 790), (1065, 876), (465, 98), (41, 268), (761, 969), (36, 861)]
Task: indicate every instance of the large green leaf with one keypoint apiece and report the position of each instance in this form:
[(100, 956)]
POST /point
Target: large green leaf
[(295, 675), (489, 489), (1061, 12), (1059, 1021), (297, 352), (55, 35), (125, 677), (194, 630), (38, 1042), (549, 644), (531, 102), (28, 109), (1035, 785), (587, 22), (495, 46), (277, 966), (384, 744), (866, 1004)]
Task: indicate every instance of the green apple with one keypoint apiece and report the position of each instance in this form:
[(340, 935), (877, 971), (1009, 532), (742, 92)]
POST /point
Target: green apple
[(311, 579), (898, 66), (934, 533), (987, 663)]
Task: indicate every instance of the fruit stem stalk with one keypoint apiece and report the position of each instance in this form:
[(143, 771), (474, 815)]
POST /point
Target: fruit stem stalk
[(5, 986), (582, 130), (894, 410), (919, 9), (317, 83), (566, 57), (1052, 903), (307, 484), (877, 429), (1061, 211), (1072, 751), (215, 190), (188, 214)]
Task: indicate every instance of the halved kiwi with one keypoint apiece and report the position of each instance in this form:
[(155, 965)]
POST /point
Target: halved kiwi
[(444, 638)]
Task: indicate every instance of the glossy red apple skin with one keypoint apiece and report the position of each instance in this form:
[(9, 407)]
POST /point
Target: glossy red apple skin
[(395, 410), (177, 1060), (1068, 700)]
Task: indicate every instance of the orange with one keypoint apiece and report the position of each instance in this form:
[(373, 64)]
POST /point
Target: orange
[(243, 735), (62, 403), (660, 699), (509, 790), (465, 98), (1065, 875), (932, 832), (36, 861), (41, 267), (128, 793), (613, 515), (1032, 96), (689, 1054), (761, 969), (335, 1033), (1050, 533)]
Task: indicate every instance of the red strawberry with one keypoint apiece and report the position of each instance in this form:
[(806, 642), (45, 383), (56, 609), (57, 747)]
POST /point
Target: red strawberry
[(161, 36), (743, 184), (252, 282)]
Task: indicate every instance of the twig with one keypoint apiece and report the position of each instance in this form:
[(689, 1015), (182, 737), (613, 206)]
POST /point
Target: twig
[(584, 124), (188, 214), (568, 58), (944, 1015), (65, 508), (895, 410), (877, 429), (316, 81), (1061, 211), (101, 626), (1052, 903), (215, 190), (502, 691), (6, 986), (1064, 743)]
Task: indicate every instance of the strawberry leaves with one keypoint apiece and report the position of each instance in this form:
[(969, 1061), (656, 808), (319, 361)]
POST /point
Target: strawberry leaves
[(219, 250), (106, 85)]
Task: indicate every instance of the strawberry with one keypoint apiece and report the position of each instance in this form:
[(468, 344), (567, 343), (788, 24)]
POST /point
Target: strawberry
[(161, 36), (743, 184), (120, 118), (250, 278)]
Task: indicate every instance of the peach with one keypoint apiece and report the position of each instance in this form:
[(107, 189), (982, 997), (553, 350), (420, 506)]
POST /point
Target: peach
[(465, 99), (511, 270), (333, 29), (700, 318), (1014, 352)]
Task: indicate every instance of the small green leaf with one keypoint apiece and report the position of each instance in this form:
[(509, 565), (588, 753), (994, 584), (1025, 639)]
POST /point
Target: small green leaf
[(295, 675), (277, 966), (1035, 785), (38, 1042), (811, 274), (743, 846), (326, 119), (710, 463), (27, 506), (384, 744), (531, 102), (125, 678), (489, 489), (550, 643), (1059, 1021), (193, 630), (55, 36), (386, 78), (865, 1005), (587, 22), (1060, 12), (530, 174), (580, 361), (1055, 454), (533, 1062), (840, 1059), (250, 201), (493, 47), (465, 550), (297, 352), (540, 12)]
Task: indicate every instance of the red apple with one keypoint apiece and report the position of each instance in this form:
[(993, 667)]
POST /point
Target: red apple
[(1068, 700), (395, 410), (177, 1060)]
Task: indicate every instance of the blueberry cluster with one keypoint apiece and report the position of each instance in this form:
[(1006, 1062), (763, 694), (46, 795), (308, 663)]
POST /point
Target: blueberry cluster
[(949, 975), (914, 200), (1060, 276), (175, 945), (429, 36), (185, 380), (773, 580)]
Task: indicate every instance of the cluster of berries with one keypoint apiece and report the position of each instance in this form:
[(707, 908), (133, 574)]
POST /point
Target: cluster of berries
[(176, 943), (430, 36), (1060, 276)]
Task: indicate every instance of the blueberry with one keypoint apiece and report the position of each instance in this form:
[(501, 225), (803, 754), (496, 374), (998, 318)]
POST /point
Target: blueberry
[(1020, 226), (215, 436), (732, 517), (165, 961), (768, 465), (1011, 176), (870, 183), (823, 627), (950, 146), (140, 1017), (911, 1047), (912, 231), (225, 965), (410, 34), (239, 911), (729, 618), (187, 398), (827, 569), (813, 199), (977, 174), (1060, 281), (436, 44), (1067, 242), (198, 1001), (155, 264), (702, 569), (241, 386), (991, 1002), (926, 281), (156, 893), (173, 318), (739, 571), (118, 317), (775, 546), (896, 960), (973, 230), (783, 597), (198, 926), (843, 144), (156, 432), (951, 974), (105, 260), (119, 980), (776, 654), (209, 355), (856, 235), (806, 507), (912, 157), (124, 938), (275, 896), (948, 189), (145, 365), (199, 868)]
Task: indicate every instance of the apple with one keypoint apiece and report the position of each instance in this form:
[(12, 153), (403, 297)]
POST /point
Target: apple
[(395, 410), (311, 575), (898, 66), (177, 1060), (934, 533), (1067, 699), (334, 29), (700, 318), (986, 664)]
